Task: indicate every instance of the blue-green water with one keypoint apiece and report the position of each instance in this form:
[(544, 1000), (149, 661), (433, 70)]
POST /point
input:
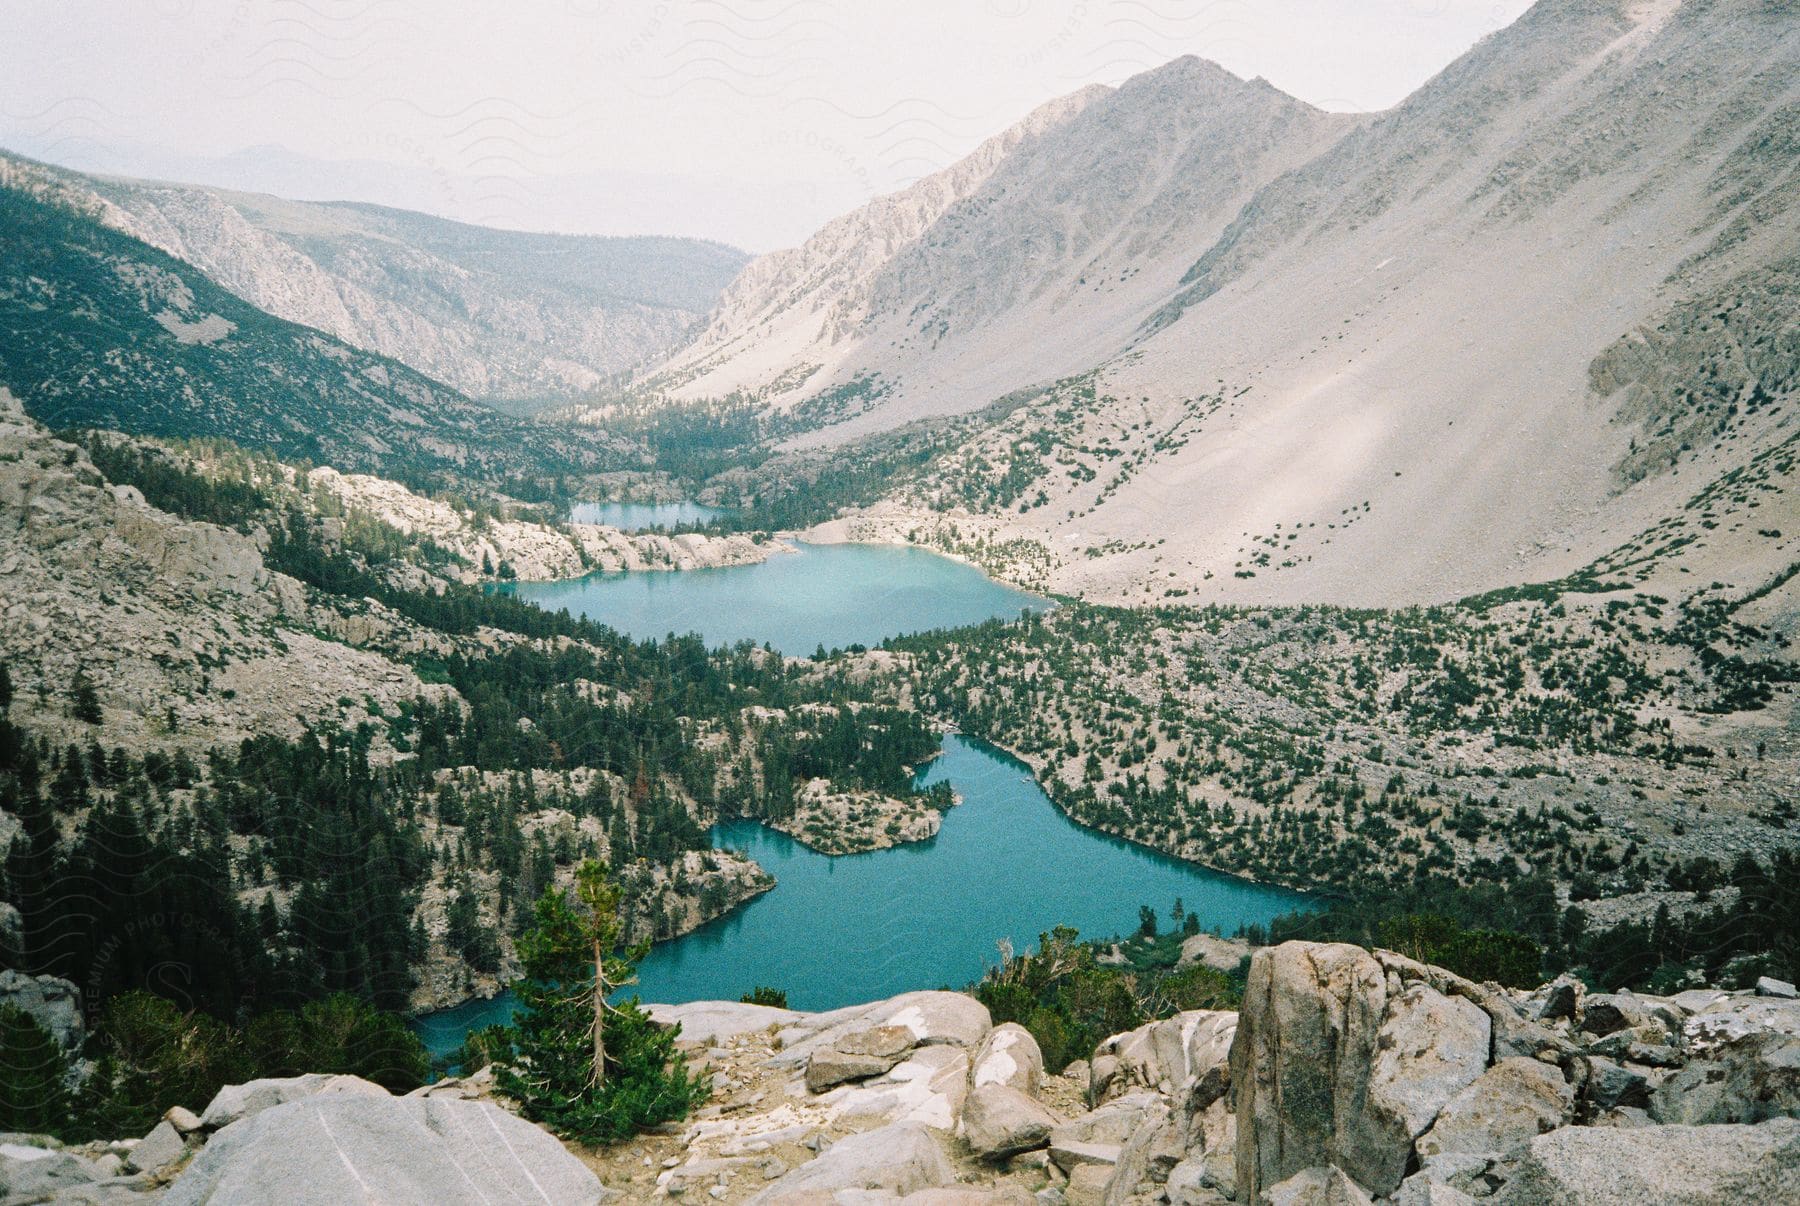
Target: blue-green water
[(636, 517), (1007, 864), (836, 595), (833, 931)]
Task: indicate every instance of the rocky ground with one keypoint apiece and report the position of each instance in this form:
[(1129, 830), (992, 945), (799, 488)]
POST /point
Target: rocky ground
[(1347, 1076), (187, 637), (531, 550)]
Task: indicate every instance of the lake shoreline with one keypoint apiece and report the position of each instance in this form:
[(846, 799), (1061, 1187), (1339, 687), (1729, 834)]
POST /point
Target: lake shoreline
[(1037, 776), (1008, 865)]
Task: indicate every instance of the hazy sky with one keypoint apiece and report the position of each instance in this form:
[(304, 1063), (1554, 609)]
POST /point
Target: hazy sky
[(746, 120)]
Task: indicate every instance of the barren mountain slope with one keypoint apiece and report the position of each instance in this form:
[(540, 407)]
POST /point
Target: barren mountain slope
[(1506, 326), (1037, 255), (1427, 346), (783, 311), (501, 315)]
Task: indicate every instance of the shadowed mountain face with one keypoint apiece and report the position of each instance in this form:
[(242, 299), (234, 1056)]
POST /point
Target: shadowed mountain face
[(98, 329), (503, 316), (1476, 339)]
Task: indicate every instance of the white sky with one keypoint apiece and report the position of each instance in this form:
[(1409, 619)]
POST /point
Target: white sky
[(751, 121)]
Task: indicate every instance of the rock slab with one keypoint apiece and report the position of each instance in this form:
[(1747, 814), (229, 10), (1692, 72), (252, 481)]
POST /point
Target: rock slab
[(895, 1160), (337, 1148), (1306, 1038), (1000, 1121)]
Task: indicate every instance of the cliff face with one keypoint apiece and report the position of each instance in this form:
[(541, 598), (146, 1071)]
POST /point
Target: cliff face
[(1348, 1076)]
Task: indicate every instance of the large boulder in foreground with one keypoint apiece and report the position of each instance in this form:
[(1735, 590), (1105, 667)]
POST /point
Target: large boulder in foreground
[(1512, 1103), (896, 1160), (1169, 1056), (1668, 1165), (337, 1148), (1317, 1187), (1305, 1041), (1429, 1049), (1749, 1080), (719, 1021), (1008, 1056), (933, 1019), (999, 1121), (236, 1102)]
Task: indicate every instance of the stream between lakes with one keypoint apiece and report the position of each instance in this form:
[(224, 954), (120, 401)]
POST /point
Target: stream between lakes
[(1006, 865)]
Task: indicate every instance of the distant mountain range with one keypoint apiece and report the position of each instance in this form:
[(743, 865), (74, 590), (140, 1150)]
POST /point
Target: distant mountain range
[(499, 315), (1203, 339), (1470, 341), (99, 329)]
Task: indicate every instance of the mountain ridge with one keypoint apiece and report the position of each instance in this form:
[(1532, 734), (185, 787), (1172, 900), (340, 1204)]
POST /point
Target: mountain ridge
[(102, 329), (1480, 322), (500, 315)]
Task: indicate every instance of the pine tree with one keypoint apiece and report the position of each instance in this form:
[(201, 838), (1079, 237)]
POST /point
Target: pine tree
[(86, 707), (585, 1066), (32, 1072)]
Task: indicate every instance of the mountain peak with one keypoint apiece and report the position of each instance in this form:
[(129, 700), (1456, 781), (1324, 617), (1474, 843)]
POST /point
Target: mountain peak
[(1192, 80)]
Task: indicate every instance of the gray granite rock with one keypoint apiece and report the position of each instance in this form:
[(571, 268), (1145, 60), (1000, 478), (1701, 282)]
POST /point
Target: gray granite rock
[(326, 1150)]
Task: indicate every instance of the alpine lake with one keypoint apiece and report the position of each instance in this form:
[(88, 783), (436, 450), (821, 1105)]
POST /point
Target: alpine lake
[(1007, 865)]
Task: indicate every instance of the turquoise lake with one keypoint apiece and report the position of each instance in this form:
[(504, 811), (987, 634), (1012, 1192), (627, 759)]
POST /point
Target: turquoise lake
[(638, 517), (834, 931), (1006, 865), (836, 595)]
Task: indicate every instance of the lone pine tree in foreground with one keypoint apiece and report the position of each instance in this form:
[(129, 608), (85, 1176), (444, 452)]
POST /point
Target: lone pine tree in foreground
[(588, 1067)]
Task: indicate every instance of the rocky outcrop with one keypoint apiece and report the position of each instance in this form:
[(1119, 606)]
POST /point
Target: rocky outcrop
[(1300, 1064), (897, 1160), (1430, 1048), (356, 1148), (664, 900), (1172, 1057), (234, 1103), (999, 1121), (1009, 1056), (188, 637), (1353, 1069), (52, 1002), (1751, 1079), (1507, 1106), (1220, 954), (531, 551), (1670, 1165), (717, 1022), (1348, 1077)]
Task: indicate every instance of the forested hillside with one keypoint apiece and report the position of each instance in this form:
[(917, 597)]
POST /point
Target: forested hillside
[(100, 330)]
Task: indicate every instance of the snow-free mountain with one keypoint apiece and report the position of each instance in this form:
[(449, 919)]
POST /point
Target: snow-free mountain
[(1245, 349), (510, 317)]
